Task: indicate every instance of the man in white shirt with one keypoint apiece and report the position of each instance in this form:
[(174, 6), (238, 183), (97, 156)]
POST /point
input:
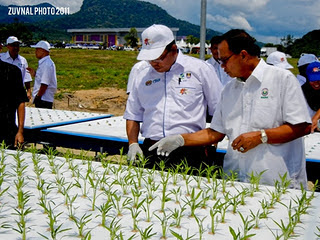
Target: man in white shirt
[(12, 56), (214, 61), (45, 82), (135, 70), (169, 96), (263, 113)]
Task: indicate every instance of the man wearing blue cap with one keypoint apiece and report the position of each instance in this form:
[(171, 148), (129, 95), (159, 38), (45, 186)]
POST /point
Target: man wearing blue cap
[(311, 90)]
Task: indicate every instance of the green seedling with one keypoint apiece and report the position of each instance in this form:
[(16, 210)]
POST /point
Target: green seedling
[(104, 209), (180, 237), (177, 194), (200, 226), (255, 182), (146, 233), (164, 225), (113, 228), (135, 212), (193, 202), (146, 208), (177, 215), (116, 201), (165, 196), (214, 219), (285, 183), (81, 225)]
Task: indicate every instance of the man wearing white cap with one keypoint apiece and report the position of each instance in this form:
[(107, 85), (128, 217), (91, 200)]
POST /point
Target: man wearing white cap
[(303, 62), (278, 59), (12, 56), (45, 82), (169, 96)]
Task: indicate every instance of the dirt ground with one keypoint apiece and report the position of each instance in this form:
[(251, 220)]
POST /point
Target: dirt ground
[(102, 100)]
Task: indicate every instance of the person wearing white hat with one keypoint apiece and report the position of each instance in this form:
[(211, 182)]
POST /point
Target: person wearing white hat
[(12, 56), (45, 82), (279, 59), (169, 96), (303, 62)]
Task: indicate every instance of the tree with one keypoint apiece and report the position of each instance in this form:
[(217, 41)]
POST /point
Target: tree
[(132, 38), (287, 41), (192, 40)]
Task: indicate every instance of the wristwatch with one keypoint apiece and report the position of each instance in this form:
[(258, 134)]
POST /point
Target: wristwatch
[(264, 137)]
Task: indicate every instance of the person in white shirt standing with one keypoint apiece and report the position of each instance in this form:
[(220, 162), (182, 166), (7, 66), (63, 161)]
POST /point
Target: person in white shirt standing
[(169, 96), (12, 56), (45, 82), (214, 61), (262, 112)]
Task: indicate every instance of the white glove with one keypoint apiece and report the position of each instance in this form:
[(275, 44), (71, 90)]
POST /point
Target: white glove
[(168, 144), (134, 149)]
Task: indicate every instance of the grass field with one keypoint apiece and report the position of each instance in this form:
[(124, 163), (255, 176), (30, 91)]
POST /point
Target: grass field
[(91, 69)]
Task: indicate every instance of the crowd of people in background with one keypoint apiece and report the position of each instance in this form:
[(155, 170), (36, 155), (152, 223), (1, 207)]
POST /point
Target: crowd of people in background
[(16, 77), (260, 106)]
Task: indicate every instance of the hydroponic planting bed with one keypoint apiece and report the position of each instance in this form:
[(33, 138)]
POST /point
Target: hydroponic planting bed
[(40, 118), (43, 196), (109, 128)]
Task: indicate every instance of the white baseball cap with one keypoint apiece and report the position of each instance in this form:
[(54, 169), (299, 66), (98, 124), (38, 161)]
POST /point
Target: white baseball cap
[(154, 40), (278, 59), (12, 39), (306, 58), (42, 44)]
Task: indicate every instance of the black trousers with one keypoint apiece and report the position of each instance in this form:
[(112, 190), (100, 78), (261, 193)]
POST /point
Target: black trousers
[(42, 104), (196, 157)]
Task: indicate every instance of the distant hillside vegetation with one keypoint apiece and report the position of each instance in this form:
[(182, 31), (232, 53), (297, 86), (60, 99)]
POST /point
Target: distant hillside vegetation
[(115, 14)]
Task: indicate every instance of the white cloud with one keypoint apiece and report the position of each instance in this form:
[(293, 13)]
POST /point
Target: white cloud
[(234, 21), (243, 5)]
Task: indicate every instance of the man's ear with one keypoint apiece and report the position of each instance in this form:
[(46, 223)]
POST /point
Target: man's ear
[(243, 54)]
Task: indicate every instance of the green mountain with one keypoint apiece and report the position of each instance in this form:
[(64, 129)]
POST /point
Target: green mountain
[(117, 14)]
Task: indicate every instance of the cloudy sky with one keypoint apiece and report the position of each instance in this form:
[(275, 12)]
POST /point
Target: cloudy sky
[(266, 20)]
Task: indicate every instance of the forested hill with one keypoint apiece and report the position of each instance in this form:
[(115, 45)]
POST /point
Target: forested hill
[(120, 14)]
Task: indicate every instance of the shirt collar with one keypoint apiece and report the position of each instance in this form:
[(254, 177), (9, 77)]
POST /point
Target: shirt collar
[(6, 55), (257, 73), (43, 59)]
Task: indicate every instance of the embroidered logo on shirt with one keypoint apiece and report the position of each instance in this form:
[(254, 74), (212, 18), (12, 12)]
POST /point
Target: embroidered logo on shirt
[(149, 82), (188, 75), (264, 93), (183, 91), (182, 75)]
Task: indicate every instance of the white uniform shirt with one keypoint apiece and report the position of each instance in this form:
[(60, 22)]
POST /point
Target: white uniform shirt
[(20, 62), (302, 80), (135, 70), (46, 74), (222, 75), (174, 102), (269, 98)]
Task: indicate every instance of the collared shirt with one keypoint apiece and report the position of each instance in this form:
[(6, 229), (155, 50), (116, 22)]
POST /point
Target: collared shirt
[(222, 75), (174, 102), (135, 70), (269, 98), (46, 74), (20, 62)]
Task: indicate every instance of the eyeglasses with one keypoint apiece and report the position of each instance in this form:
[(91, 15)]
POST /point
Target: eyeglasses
[(161, 58), (225, 60)]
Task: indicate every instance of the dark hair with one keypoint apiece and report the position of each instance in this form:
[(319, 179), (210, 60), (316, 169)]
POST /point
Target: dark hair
[(215, 40), (239, 39)]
